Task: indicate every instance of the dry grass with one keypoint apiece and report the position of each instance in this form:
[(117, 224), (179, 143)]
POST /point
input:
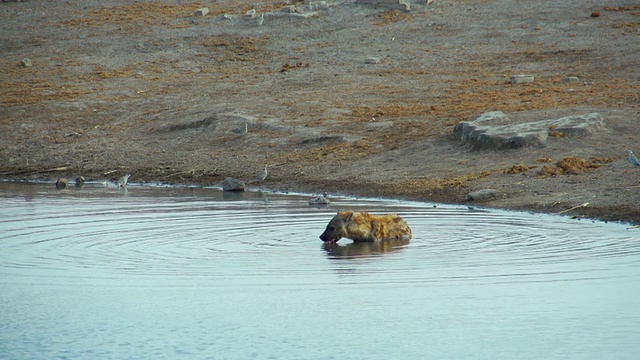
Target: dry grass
[(543, 94), (137, 16), (623, 8), (392, 16), (365, 113), (35, 91), (140, 16), (229, 47), (573, 166), (332, 153), (519, 169)]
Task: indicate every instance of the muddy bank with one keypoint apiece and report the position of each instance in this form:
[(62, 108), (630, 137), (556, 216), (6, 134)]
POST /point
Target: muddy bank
[(152, 89)]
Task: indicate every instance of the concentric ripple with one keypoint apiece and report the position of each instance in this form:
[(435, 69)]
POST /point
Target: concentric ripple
[(246, 275), (197, 233)]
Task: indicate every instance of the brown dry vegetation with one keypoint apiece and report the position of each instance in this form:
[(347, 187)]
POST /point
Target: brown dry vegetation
[(573, 166)]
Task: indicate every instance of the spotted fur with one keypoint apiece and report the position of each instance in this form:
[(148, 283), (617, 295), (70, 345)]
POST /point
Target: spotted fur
[(362, 226)]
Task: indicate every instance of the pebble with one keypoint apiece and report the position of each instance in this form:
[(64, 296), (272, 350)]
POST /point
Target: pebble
[(26, 62), (571, 79), (521, 79), (62, 183), (80, 182), (484, 194), (372, 60), (202, 11)]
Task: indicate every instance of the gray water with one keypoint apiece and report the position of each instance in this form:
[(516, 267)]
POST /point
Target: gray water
[(165, 273)]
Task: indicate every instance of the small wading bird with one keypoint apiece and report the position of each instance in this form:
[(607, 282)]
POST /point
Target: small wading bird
[(62, 183), (260, 177), (632, 159), (320, 200), (261, 19), (122, 182)]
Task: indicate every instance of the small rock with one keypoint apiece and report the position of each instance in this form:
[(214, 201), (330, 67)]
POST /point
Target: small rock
[(321, 200), (202, 11), (521, 79), (227, 17), (372, 60), (322, 5), (231, 184), (62, 183), (288, 9), (571, 79), (595, 14), (26, 62), (481, 195)]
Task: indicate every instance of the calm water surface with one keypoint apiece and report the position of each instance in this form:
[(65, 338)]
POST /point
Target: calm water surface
[(164, 273)]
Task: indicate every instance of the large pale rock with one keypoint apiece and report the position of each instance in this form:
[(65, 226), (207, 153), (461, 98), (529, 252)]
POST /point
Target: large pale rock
[(494, 131)]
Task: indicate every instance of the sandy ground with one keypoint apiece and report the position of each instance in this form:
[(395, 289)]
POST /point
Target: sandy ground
[(151, 89)]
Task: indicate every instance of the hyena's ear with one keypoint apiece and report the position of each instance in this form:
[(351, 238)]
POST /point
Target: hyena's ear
[(347, 215)]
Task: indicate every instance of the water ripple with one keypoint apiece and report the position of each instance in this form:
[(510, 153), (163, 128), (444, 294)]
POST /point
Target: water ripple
[(277, 236)]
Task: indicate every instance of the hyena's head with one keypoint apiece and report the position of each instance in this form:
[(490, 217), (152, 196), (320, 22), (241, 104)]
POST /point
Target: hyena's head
[(337, 227)]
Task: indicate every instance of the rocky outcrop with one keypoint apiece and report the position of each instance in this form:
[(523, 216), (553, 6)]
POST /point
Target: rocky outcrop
[(495, 130)]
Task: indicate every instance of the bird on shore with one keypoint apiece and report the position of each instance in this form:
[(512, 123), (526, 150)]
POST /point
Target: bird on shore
[(320, 200), (261, 176), (632, 159), (62, 183), (260, 19), (122, 182)]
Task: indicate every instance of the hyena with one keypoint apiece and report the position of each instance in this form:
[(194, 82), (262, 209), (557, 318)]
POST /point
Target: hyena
[(362, 226)]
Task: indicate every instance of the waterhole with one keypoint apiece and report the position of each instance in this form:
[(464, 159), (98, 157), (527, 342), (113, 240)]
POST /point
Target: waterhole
[(166, 273)]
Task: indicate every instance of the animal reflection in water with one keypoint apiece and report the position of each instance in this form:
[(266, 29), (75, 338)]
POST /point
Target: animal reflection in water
[(364, 249)]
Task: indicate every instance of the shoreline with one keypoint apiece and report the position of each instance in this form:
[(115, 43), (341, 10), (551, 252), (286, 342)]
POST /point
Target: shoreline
[(578, 212)]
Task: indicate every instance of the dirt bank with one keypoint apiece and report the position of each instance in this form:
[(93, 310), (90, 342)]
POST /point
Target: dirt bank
[(151, 89)]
